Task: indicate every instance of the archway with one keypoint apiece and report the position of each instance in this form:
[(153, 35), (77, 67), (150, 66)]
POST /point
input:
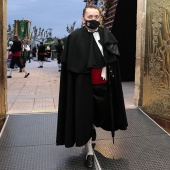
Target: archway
[(124, 29), (3, 85)]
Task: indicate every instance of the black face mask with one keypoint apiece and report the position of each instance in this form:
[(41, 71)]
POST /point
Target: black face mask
[(92, 24)]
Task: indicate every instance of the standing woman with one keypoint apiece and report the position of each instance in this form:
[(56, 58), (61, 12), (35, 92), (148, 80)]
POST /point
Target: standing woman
[(24, 56), (48, 51)]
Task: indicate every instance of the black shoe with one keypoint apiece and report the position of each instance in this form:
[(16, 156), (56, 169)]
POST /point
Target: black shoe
[(20, 70), (93, 134), (89, 161), (9, 76), (26, 75)]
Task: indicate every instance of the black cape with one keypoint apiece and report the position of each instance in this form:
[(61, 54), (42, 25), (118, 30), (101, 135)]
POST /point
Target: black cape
[(76, 107)]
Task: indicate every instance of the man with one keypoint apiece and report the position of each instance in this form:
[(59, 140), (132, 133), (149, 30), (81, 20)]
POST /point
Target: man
[(90, 86), (24, 53), (41, 54), (34, 51), (59, 50), (16, 57)]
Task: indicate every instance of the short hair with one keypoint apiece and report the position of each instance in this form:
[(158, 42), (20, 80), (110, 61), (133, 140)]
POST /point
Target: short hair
[(15, 37), (41, 43), (59, 41), (90, 6)]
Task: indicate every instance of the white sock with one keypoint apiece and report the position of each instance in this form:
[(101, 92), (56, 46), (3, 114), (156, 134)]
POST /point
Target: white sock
[(24, 71), (59, 66), (40, 63), (10, 72), (89, 148)]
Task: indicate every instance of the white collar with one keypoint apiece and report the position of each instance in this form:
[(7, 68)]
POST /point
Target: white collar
[(93, 31)]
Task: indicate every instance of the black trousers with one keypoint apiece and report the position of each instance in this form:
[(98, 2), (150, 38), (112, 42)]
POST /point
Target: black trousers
[(41, 58), (101, 104), (17, 61), (58, 58)]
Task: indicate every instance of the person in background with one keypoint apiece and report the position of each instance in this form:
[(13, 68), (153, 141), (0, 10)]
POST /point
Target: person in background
[(9, 54), (59, 50), (41, 54), (16, 56), (28, 51), (24, 56), (34, 51), (48, 51)]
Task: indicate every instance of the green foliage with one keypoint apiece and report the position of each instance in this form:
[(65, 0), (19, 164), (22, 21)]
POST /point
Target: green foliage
[(64, 39), (49, 40)]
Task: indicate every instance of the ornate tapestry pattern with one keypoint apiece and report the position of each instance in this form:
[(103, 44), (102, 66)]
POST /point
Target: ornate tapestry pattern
[(156, 94)]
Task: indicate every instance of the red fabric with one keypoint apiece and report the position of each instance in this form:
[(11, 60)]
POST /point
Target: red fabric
[(17, 54), (10, 56), (42, 53), (96, 76)]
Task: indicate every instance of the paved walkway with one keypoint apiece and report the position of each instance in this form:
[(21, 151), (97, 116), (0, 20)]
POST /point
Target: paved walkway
[(39, 92), (30, 140)]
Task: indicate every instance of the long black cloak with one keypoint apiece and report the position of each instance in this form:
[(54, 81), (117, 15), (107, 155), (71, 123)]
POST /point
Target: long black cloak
[(76, 107)]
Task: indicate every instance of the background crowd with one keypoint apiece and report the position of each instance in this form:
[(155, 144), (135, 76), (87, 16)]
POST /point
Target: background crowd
[(19, 53)]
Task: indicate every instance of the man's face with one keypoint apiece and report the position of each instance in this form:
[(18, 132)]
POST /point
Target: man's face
[(91, 14), (24, 41), (14, 39)]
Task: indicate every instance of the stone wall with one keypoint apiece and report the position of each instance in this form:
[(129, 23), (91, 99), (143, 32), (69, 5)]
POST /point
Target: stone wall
[(152, 76), (3, 58), (140, 51)]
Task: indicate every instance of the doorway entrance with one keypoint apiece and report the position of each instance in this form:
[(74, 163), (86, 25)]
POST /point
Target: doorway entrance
[(124, 29)]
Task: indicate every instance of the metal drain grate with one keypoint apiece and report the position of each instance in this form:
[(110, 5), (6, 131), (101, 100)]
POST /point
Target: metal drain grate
[(28, 143)]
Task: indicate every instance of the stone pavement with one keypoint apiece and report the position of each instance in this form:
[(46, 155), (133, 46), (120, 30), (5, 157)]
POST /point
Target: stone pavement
[(28, 139), (39, 92)]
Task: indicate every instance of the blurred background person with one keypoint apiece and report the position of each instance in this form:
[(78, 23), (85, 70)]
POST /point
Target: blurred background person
[(41, 54), (34, 52), (16, 57), (24, 56), (48, 51), (28, 48), (59, 50), (9, 54)]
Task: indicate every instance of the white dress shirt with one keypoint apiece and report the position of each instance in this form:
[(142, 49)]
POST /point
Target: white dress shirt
[(97, 38)]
